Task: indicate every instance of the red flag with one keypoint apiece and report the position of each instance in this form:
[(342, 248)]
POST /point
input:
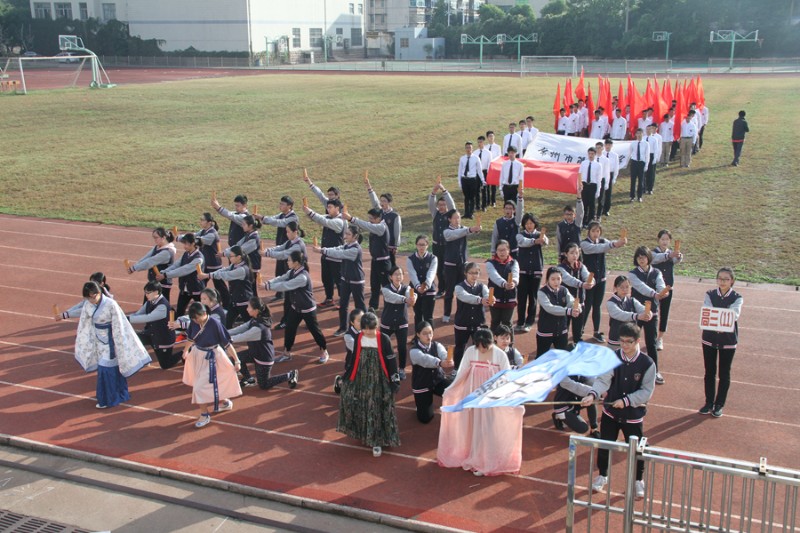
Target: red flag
[(606, 101), (621, 100), (637, 103), (666, 93), (701, 93), (580, 92), (557, 107), (542, 175), (568, 100), (692, 94), (680, 112), (590, 106), (649, 98)]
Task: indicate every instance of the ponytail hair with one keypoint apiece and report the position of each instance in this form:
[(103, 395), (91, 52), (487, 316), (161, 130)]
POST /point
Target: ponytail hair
[(264, 315), (295, 227), (209, 218), (100, 279), (250, 220), (161, 232), (356, 231), (298, 256)]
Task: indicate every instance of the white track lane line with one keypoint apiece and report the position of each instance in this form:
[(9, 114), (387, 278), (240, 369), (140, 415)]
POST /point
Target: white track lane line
[(61, 238)]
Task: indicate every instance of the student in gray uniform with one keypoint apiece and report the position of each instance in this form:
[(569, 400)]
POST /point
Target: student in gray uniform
[(333, 226), (394, 318), (379, 252), (422, 267), (280, 221), (647, 284), (161, 256), (154, 314), (594, 248), (455, 256), (390, 216), (472, 297), (250, 243), (622, 309), (429, 371), (75, 310), (241, 283), (439, 207), (260, 350), (575, 276), (185, 270), (235, 231), (293, 235), (296, 283), (209, 242), (352, 282)]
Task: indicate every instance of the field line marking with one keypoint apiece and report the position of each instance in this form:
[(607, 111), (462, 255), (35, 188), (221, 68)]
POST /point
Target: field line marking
[(62, 238), (77, 223), (70, 295), (82, 274)]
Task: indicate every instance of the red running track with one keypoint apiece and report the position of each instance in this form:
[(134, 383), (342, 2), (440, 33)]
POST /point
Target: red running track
[(286, 441)]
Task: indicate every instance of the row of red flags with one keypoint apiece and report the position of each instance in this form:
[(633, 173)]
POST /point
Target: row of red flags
[(660, 100)]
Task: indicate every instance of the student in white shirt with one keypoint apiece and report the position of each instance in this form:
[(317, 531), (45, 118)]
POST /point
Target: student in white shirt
[(598, 126), (497, 151), (525, 136), (469, 167), (591, 172), (654, 140), (511, 174), (512, 139), (485, 157), (688, 137), (612, 159), (573, 121), (619, 127), (532, 130), (638, 161), (703, 121), (604, 181), (667, 133), (563, 122)]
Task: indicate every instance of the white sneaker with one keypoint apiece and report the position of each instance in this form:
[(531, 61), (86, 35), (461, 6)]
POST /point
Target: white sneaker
[(376, 451), (203, 421), (477, 474), (638, 490), (660, 344), (599, 483), (227, 405), (445, 319), (659, 379), (323, 358)]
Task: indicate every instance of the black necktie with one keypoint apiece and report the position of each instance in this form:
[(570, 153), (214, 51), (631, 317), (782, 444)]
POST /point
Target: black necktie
[(589, 173), (466, 167), (510, 171), (639, 151)]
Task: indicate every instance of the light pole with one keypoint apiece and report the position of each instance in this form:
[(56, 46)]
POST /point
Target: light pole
[(660, 36), (731, 36)]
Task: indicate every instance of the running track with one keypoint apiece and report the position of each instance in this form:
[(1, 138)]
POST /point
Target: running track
[(286, 441)]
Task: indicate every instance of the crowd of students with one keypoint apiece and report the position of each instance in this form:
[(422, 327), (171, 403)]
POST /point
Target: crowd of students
[(210, 318)]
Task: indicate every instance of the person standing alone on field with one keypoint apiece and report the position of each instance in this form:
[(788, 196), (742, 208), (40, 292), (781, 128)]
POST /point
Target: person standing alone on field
[(737, 137)]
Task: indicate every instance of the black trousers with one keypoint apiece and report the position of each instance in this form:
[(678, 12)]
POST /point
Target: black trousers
[(601, 199), (471, 187), (607, 199), (710, 357), (438, 251), (224, 294), (423, 310), (166, 357), (594, 303), (663, 312), (502, 315), (575, 422), (527, 292), (378, 278), (402, 344), (700, 137), (281, 267), (293, 319), (331, 274), (737, 150), (346, 289), (424, 400), (650, 329), (462, 336), (263, 371), (637, 178), (453, 275), (484, 192), (587, 195), (543, 344), (184, 299), (650, 175), (609, 430), (673, 151), (510, 192)]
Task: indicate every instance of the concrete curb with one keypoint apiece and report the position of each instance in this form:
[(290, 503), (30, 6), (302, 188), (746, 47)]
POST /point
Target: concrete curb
[(244, 490)]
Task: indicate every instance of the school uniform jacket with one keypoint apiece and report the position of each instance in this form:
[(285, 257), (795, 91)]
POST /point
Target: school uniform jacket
[(422, 270), (161, 258), (280, 221), (298, 288), (529, 256), (498, 275), (555, 306), (621, 311), (208, 247), (440, 221), (350, 257), (594, 256), (633, 382), (395, 309), (646, 285), (186, 272), (258, 337), (425, 365), (155, 315), (574, 276), (469, 305), (666, 264), (455, 245), (730, 300), (240, 282)]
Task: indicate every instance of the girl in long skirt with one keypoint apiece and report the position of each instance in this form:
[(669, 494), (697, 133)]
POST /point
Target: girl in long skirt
[(484, 441), (366, 409), (210, 373)]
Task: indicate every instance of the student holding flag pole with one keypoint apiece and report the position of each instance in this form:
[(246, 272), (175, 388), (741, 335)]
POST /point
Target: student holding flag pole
[(159, 258)]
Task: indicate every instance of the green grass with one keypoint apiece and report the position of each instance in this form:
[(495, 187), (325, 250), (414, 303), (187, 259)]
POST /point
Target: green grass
[(150, 155)]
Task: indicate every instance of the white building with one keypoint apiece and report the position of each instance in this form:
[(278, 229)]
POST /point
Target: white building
[(292, 26), (536, 5)]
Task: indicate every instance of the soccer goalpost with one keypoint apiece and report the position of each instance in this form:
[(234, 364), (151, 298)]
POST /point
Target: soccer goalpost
[(21, 74), (537, 65)]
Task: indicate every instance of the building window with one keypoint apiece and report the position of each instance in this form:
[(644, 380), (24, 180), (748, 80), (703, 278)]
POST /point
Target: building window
[(41, 10), (295, 37), (109, 11), (63, 10), (360, 9), (84, 8), (351, 8), (404, 42), (315, 37), (355, 37)]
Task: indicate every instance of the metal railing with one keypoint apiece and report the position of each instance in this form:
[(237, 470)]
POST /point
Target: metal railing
[(684, 492)]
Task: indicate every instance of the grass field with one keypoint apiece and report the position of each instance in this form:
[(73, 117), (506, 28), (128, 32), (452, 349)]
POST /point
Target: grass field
[(151, 154)]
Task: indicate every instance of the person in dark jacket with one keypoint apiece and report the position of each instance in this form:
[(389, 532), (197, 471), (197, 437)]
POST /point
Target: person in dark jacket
[(737, 137)]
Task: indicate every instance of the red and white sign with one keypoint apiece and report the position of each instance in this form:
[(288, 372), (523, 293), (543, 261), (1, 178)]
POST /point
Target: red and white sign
[(717, 319)]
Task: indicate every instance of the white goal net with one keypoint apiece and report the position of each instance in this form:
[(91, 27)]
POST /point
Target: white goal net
[(22, 74), (546, 65)]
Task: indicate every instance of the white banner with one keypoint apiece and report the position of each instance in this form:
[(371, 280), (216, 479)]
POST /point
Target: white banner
[(717, 319), (564, 149)]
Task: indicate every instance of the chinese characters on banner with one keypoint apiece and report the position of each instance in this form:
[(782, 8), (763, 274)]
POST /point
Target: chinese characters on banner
[(717, 319), (564, 149)]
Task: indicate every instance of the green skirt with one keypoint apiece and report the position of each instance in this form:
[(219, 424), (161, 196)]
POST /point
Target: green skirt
[(366, 408)]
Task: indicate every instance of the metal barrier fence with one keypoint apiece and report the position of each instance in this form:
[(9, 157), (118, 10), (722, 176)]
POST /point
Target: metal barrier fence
[(684, 492), (605, 67)]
